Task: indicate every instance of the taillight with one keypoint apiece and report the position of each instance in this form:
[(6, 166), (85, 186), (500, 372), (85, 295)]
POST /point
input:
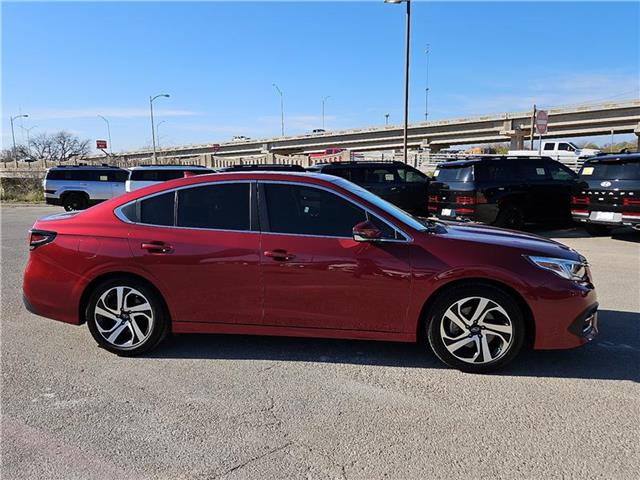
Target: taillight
[(38, 238), (579, 200), (628, 202), (465, 200)]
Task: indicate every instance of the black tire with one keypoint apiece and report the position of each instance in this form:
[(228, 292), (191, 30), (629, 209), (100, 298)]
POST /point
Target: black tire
[(75, 201), (597, 230), (510, 216), (503, 352), (134, 291)]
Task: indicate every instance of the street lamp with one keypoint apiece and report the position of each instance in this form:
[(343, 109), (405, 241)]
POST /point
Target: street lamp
[(158, 131), (386, 119), (153, 130), (426, 91), (108, 134), (13, 136), (28, 130), (281, 107), (323, 101), (406, 74)]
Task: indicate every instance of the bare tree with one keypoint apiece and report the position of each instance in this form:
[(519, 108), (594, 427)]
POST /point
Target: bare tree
[(11, 154), (67, 146), (42, 147)]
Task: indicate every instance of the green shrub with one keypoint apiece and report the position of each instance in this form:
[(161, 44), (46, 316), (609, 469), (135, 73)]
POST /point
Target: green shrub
[(21, 190)]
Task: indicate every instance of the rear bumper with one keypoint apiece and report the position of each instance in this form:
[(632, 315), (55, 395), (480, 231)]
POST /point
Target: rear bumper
[(484, 213), (625, 220)]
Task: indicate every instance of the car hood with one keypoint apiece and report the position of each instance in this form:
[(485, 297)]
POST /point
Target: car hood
[(527, 243)]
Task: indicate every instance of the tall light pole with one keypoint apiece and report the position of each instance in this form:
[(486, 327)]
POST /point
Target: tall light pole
[(406, 75), (158, 131), (28, 130), (108, 134), (13, 136), (153, 129), (386, 119), (281, 107), (426, 90), (323, 101)]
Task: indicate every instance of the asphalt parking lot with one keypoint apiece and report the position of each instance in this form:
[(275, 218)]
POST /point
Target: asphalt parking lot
[(219, 406)]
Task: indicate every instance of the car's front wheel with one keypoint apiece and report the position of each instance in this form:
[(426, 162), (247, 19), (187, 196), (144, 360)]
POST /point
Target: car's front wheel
[(126, 316), (476, 328)]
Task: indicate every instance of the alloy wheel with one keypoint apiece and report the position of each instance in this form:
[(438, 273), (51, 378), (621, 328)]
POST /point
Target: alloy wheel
[(476, 330), (124, 317)]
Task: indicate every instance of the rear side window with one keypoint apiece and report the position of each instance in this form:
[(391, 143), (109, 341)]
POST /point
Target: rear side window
[(549, 146), (611, 171), (497, 171), (120, 176), (410, 175), (302, 210), (379, 175), (454, 174), (560, 172), (224, 207), (533, 170), (157, 210), (150, 175)]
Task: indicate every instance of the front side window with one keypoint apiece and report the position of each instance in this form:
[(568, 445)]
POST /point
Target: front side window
[(379, 175), (224, 206), (560, 172), (303, 210), (566, 147), (533, 170)]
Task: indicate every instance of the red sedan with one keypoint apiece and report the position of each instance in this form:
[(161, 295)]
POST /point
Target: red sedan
[(303, 255)]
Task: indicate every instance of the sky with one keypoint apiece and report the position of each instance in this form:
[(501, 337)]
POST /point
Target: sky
[(64, 64)]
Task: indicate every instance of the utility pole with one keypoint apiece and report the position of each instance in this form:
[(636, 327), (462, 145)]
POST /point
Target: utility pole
[(323, 101), (533, 126)]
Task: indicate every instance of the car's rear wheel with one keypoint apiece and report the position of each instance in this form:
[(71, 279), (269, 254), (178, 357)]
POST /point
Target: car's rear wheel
[(476, 328), (510, 216), (597, 230), (74, 201), (126, 316)]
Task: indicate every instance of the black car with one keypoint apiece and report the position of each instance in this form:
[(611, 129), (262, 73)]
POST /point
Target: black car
[(503, 191), (396, 182), (267, 167), (608, 195)]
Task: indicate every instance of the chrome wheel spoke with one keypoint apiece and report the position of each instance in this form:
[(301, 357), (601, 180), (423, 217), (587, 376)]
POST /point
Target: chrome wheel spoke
[(476, 330), (118, 323)]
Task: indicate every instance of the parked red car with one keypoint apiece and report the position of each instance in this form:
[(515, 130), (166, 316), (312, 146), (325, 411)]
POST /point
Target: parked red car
[(303, 255)]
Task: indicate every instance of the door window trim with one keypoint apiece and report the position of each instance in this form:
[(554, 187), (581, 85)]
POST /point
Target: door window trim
[(263, 214), (254, 226)]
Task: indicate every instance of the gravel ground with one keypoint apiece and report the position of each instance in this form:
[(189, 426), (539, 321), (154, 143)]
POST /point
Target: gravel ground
[(214, 406)]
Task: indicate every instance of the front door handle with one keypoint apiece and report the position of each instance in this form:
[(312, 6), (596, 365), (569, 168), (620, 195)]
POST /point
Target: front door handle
[(279, 255), (156, 247)]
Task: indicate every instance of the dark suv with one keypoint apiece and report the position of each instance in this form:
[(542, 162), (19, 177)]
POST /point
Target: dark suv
[(262, 167), (502, 191), (608, 195), (396, 182)]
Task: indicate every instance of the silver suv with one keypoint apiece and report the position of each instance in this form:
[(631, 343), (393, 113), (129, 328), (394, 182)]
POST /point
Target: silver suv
[(78, 187)]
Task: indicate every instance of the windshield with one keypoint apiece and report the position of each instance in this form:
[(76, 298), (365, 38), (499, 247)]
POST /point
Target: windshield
[(454, 174), (611, 171), (382, 204)]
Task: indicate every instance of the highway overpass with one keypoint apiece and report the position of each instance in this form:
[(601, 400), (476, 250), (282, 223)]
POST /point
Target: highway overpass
[(514, 127)]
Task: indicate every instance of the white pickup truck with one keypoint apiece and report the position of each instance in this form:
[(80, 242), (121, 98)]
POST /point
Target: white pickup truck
[(565, 152)]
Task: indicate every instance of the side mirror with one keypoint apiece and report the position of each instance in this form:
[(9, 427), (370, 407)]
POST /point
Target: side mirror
[(366, 232)]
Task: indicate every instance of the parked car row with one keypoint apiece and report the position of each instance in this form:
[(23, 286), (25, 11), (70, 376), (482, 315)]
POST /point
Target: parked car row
[(505, 191)]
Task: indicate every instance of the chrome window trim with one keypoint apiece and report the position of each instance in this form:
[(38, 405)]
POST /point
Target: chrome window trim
[(120, 216), (407, 237)]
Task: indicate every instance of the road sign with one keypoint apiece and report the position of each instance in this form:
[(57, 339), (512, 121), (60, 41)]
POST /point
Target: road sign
[(101, 144), (542, 120), (216, 147)]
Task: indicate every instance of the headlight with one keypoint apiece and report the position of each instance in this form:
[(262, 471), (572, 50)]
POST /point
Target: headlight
[(569, 269)]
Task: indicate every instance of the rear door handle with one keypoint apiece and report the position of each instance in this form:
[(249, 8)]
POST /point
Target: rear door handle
[(279, 255), (156, 247)]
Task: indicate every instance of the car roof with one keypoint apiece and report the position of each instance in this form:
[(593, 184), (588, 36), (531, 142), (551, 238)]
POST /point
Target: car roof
[(85, 167), (615, 158), (487, 158), (355, 163), (169, 167)]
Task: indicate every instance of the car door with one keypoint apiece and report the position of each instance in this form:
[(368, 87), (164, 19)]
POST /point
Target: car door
[(538, 192), (202, 245), (315, 275), (562, 182)]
